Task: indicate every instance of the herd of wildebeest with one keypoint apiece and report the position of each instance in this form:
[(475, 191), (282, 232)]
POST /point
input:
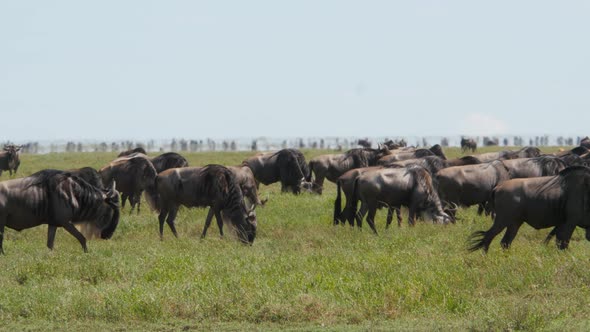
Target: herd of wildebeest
[(543, 190)]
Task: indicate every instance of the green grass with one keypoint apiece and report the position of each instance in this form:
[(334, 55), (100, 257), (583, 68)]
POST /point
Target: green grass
[(302, 273)]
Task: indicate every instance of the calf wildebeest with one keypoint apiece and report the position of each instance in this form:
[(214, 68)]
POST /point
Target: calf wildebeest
[(332, 166), (287, 166), (128, 152), (395, 187), (214, 186), (471, 184), (559, 201), (468, 144), (9, 159), (58, 199), (534, 167), (394, 156), (132, 175), (168, 160)]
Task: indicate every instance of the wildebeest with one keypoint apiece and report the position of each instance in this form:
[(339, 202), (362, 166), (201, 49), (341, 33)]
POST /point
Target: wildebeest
[(132, 175), (287, 166), (332, 166), (471, 184), (526, 152), (58, 199), (468, 144), (394, 187), (9, 159), (168, 160), (534, 167), (434, 163), (89, 175), (394, 156), (212, 186), (559, 201), (128, 152)]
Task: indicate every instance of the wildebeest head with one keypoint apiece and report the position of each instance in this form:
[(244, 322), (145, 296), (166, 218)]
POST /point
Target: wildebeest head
[(110, 203)]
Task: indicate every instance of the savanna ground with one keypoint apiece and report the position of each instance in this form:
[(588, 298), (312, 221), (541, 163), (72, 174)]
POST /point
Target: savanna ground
[(302, 273)]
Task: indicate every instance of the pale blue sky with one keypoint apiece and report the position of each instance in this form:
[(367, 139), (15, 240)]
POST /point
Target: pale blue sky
[(196, 69)]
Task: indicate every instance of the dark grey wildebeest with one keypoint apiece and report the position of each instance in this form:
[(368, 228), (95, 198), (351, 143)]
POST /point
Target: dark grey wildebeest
[(468, 144), (132, 175), (9, 159), (332, 166), (559, 201), (287, 166), (58, 199), (471, 184), (394, 187), (534, 167), (213, 186)]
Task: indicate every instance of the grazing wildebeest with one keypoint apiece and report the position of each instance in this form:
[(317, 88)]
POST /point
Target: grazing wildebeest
[(9, 159), (287, 166), (394, 156), (332, 166), (132, 175), (212, 186), (559, 201), (534, 167), (58, 199), (128, 152), (468, 144), (168, 160), (395, 187), (471, 184)]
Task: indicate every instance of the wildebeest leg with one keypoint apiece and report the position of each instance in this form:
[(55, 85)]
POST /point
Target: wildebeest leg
[(411, 215), (511, 231), (483, 239), (51, 230), (361, 215), (72, 230), (162, 219), (2, 223), (371, 218), (138, 200), (389, 216), (219, 222), (207, 222), (563, 235), (398, 212), (124, 200), (170, 220)]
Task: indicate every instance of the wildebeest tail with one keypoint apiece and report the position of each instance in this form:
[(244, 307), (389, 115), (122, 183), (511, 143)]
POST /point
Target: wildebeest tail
[(310, 167), (338, 203), (152, 196), (477, 241), (353, 201)]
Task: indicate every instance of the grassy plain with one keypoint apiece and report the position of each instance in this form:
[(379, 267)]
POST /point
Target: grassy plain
[(302, 273)]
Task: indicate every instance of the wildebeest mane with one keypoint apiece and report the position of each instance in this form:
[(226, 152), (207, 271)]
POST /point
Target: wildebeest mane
[(471, 160), (549, 165), (421, 153), (579, 150), (422, 179)]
